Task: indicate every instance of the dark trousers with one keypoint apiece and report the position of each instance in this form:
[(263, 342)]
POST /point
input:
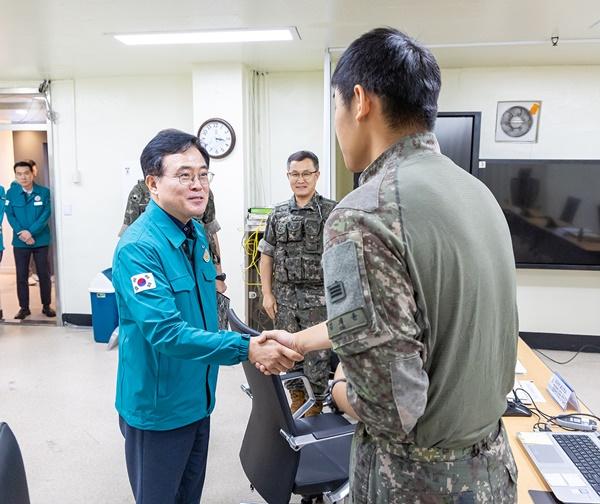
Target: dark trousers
[(40, 257), (167, 467)]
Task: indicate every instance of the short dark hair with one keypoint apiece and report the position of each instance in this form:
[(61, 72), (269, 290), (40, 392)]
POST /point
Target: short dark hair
[(31, 162), (22, 164), (301, 156), (168, 141), (399, 70)]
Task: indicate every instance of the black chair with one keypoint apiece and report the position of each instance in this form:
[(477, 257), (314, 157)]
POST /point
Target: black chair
[(282, 455), (570, 209), (13, 481)]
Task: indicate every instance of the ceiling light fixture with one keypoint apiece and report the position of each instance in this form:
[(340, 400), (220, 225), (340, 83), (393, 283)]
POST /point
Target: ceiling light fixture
[(551, 41), (210, 36)]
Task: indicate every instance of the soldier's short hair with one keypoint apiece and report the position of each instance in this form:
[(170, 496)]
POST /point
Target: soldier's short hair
[(301, 156), (22, 164), (166, 142), (400, 71)]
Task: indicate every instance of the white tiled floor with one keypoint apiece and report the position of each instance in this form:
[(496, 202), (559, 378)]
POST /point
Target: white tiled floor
[(10, 304), (57, 394)]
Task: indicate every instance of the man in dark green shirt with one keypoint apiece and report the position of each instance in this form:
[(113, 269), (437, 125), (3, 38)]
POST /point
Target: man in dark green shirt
[(420, 290)]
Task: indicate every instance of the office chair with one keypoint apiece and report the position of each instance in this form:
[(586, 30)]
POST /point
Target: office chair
[(13, 481), (281, 454), (570, 209)]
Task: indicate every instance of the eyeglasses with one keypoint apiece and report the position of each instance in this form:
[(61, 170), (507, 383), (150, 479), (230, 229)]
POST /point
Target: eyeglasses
[(307, 175), (187, 179)]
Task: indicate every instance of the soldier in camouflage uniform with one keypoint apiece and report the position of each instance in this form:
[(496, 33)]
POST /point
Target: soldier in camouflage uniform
[(421, 293), (291, 253), (138, 199)]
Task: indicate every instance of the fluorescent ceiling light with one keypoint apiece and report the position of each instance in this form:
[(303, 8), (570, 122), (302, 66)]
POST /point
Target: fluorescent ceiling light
[(548, 42), (209, 37)]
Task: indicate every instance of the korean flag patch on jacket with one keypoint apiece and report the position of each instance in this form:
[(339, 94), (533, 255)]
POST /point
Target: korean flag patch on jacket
[(142, 282)]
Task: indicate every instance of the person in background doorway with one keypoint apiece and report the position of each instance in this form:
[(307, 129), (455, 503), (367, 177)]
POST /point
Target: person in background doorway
[(28, 212), (32, 277), (2, 205), (291, 261)]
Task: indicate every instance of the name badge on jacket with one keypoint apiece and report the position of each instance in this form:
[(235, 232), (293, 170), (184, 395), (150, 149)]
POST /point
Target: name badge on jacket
[(38, 203)]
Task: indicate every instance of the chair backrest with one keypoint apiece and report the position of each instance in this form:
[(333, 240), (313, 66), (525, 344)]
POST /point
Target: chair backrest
[(570, 209), (267, 459), (13, 481)]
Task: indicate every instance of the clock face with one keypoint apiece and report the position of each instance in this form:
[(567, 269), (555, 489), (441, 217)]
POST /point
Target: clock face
[(217, 137)]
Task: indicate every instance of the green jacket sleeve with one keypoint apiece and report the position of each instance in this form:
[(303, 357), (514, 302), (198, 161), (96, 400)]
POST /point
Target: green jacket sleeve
[(158, 319)]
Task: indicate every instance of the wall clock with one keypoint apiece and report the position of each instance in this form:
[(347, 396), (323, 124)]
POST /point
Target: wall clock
[(217, 137)]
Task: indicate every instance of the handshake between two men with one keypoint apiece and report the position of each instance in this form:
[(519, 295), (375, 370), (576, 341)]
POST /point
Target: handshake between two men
[(274, 352)]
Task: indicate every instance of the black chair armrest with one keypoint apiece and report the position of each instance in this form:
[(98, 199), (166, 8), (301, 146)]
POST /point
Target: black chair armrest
[(298, 442)]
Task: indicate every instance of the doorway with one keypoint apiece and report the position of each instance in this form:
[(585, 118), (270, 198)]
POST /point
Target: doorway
[(24, 136)]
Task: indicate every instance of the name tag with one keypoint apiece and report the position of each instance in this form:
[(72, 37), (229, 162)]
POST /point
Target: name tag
[(38, 203)]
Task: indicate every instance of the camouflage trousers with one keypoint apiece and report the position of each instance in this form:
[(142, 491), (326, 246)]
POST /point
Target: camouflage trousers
[(316, 364), (222, 307), (382, 473)]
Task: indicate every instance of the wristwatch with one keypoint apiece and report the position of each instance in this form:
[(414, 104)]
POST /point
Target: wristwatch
[(221, 276)]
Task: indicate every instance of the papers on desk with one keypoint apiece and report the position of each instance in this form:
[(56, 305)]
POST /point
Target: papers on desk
[(520, 369), (532, 390)]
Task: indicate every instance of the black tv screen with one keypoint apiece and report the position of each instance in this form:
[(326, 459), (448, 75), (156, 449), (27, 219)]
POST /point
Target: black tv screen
[(458, 136), (552, 208)]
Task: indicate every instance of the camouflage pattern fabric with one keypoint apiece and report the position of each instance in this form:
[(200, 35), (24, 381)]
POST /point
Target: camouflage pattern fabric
[(222, 307), (316, 365), (137, 201), (294, 238), (405, 474), (402, 346)]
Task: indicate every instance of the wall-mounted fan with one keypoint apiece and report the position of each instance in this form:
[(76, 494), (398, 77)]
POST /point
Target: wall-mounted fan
[(517, 121)]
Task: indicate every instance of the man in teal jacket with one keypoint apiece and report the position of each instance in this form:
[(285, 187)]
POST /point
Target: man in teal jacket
[(2, 205), (170, 347), (28, 211)]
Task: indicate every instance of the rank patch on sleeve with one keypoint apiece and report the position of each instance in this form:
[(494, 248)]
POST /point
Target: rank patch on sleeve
[(142, 282), (347, 322)]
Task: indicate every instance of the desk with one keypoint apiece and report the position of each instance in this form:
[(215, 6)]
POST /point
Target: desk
[(529, 479)]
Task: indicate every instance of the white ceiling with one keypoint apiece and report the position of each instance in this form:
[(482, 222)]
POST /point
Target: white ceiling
[(70, 38)]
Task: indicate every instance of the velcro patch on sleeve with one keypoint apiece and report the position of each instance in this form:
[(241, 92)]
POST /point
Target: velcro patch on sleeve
[(143, 282), (347, 322)]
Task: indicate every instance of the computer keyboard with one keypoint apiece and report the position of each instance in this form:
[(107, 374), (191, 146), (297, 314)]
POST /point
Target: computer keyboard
[(584, 454)]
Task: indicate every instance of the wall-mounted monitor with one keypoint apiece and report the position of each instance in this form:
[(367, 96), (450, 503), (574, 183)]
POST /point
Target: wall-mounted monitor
[(552, 208), (458, 136)]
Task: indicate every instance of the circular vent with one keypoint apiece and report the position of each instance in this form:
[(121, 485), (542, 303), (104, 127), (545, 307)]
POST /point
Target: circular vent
[(516, 121)]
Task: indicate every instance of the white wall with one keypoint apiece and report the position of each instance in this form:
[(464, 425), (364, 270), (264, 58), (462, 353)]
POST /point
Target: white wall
[(549, 300), (296, 123), (102, 127), (220, 90)]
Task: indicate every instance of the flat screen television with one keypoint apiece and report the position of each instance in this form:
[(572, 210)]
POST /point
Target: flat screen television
[(552, 208), (458, 136)]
